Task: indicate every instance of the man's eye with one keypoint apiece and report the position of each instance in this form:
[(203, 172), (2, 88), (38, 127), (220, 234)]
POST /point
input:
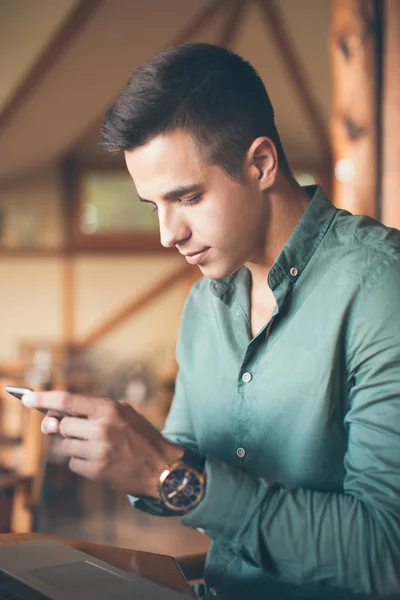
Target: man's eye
[(153, 207), (192, 200)]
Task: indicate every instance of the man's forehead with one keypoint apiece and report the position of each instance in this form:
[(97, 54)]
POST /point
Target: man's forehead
[(167, 147), (165, 163)]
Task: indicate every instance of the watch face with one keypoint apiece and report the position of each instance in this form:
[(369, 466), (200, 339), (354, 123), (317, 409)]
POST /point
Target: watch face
[(182, 488)]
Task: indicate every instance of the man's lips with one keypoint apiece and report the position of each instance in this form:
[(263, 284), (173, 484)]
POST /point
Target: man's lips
[(195, 258)]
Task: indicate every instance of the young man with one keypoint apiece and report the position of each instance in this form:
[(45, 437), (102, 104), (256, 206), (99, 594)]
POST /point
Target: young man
[(283, 441)]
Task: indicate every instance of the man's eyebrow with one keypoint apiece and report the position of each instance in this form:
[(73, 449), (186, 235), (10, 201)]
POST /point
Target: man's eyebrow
[(178, 192)]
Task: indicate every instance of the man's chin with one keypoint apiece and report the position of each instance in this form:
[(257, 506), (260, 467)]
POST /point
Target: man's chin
[(213, 271)]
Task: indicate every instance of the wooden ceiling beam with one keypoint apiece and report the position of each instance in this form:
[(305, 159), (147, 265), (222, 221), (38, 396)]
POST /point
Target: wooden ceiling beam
[(78, 18), (199, 22), (234, 19), (278, 29)]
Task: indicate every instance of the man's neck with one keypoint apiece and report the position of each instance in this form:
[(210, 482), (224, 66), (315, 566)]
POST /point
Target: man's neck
[(287, 204)]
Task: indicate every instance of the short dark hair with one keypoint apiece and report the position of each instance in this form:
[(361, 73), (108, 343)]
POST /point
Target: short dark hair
[(204, 89)]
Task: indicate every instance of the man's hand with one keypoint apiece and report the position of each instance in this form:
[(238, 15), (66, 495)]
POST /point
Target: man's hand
[(107, 441)]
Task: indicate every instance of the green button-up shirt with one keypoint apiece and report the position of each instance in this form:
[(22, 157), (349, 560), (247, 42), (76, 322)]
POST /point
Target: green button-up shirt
[(301, 424)]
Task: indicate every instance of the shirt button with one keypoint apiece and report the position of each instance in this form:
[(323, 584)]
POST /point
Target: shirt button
[(247, 377), (293, 271), (241, 452), (213, 591)]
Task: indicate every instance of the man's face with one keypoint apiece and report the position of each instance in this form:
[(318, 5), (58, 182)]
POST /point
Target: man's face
[(215, 222)]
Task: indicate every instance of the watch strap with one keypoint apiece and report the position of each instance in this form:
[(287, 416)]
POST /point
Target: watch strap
[(155, 507), (192, 458)]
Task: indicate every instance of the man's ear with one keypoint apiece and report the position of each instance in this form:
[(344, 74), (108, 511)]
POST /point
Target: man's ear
[(262, 160)]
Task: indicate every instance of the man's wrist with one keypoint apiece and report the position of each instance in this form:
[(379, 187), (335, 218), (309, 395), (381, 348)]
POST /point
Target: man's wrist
[(173, 459), (171, 455)]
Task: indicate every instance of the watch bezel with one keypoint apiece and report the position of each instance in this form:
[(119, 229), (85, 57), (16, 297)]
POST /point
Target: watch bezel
[(182, 466)]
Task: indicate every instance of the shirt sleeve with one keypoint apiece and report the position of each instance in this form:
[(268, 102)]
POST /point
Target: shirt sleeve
[(178, 427), (348, 540)]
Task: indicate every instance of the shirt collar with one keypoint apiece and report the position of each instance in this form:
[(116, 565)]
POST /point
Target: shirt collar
[(298, 250)]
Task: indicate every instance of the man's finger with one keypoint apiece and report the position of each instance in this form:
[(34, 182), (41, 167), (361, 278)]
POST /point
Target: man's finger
[(50, 425), (86, 468), (63, 402), (76, 427), (77, 448)]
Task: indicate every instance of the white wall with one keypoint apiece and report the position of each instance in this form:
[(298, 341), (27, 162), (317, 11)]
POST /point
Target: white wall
[(104, 284), (30, 301)]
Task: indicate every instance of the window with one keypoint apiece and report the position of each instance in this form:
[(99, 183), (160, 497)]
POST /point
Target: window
[(110, 215)]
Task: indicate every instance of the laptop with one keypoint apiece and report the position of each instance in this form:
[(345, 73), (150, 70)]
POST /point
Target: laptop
[(49, 569)]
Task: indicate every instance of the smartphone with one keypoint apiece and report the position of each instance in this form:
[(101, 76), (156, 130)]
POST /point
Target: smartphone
[(18, 392)]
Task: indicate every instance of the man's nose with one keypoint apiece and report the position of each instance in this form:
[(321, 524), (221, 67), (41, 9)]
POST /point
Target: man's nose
[(173, 228)]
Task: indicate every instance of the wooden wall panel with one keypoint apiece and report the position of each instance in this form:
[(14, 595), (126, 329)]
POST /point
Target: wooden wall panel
[(355, 118), (391, 117)]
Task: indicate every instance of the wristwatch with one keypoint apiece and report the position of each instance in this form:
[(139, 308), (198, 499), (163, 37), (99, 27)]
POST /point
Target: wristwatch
[(182, 485)]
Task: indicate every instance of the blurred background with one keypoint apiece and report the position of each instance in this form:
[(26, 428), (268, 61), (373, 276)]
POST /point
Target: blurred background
[(90, 302)]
